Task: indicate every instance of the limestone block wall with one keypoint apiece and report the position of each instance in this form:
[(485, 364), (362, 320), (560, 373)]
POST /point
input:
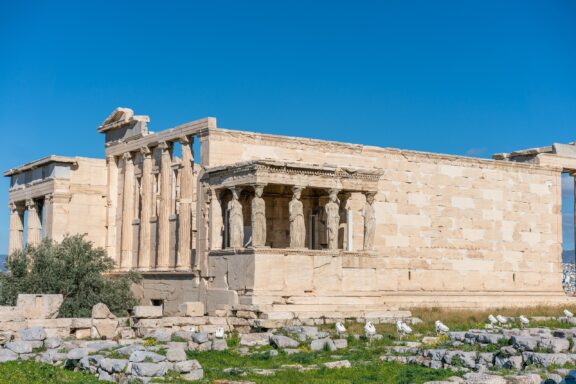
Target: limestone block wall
[(450, 231), (86, 209)]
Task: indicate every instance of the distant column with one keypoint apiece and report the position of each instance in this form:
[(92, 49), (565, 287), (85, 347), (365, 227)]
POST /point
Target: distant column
[(127, 212), (15, 241), (111, 205), (185, 218), (34, 230), (146, 209), (215, 220), (165, 207), (48, 215)]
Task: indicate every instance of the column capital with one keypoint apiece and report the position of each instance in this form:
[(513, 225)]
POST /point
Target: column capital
[(236, 190), (258, 186), (49, 197), (165, 145), (30, 203), (127, 156), (110, 159), (185, 140), (370, 195), (146, 152), (16, 208)]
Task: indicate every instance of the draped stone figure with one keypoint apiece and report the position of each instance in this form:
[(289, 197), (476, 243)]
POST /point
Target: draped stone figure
[(297, 227), (369, 222), (332, 214), (258, 218), (235, 221)]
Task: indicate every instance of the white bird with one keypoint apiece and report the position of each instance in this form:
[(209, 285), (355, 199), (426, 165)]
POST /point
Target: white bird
[(492, 320), (524, 320), (568, 314), (219, 332), (406, 329), (399, 326), (370, 329), (340, 328), (501, 319), (441, 327)]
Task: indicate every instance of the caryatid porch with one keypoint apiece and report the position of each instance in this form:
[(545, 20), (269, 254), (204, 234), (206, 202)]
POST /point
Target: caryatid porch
[(267, 204)]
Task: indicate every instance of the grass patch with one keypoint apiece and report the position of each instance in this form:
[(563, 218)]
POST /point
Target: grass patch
[(28, 372)]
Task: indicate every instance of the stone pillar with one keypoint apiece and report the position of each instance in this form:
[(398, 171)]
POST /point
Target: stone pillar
[(34, 230), (258, 218), (332, 215), (48, 216), (185, 219), (127, 212), (216, 225), (111, 209), (16, 239), (296, 214), (235, 220), (165, 207), (146, 209), (369, 222)]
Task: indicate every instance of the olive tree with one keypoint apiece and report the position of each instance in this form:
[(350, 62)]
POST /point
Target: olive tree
[(73, 268)]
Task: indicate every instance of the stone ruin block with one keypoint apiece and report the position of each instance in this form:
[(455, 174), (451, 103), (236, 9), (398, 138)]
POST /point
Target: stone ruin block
[(192, 309), (39, 306), (148, 311)]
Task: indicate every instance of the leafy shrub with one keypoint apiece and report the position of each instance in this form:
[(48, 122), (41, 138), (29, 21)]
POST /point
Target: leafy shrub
[(73, 268)]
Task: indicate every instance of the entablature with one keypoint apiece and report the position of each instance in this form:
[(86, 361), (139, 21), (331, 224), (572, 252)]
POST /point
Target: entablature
[(262, 172)]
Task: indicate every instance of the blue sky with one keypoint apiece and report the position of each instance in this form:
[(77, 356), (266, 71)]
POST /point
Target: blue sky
[(459, 77)]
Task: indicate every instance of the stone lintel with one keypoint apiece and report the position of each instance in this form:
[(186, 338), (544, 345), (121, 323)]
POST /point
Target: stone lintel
[(283, 173), (40, 163), (196, 127)]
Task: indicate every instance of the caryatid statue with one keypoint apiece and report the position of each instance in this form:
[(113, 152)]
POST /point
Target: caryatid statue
[(332, 214), (258, 217), (369, 222), (296, 212), (235, 220)]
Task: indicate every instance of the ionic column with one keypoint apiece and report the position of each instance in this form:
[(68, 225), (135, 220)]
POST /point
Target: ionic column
[(146, 209), (185, 219), (34, 230), (15, 241), (48, 215), (111, 209), (127, 212), (165, 207)]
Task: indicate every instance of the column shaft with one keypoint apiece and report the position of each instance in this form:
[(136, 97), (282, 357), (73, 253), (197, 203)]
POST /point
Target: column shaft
[(146, 210), (16, 229), (34, 230), (185, 219), (164, 211), (127, 212)]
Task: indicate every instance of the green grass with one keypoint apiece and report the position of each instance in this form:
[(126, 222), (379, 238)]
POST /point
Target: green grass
[(384, 373), (28, 372)]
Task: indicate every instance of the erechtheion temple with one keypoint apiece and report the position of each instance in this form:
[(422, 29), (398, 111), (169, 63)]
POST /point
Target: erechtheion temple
[(296, 225)]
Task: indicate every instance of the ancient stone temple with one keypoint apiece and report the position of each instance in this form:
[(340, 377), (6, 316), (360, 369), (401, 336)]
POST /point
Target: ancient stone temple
[(302, 227)]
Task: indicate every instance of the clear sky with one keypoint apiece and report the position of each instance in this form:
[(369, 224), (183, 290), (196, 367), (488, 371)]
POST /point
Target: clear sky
[(460, 77)]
